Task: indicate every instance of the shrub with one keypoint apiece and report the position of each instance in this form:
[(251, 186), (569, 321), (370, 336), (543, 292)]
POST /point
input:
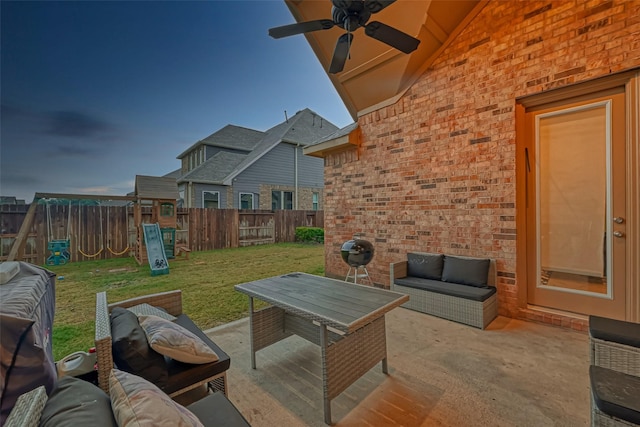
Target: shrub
[(310, 234)]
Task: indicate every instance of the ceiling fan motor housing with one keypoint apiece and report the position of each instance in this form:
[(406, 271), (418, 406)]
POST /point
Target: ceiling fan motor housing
[(351, 18)]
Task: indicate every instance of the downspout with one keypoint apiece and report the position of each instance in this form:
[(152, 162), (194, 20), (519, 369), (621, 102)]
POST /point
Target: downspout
[(296, 175)]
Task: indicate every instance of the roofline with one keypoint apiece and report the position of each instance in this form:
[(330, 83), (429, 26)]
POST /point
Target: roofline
[(351, 140)]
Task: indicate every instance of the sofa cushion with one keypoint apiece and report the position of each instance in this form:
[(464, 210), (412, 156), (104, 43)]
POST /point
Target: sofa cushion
[(426, 266), (136, 403), (217, 410), (453, 289), (184, 374), (174, 341), (465, 270), (74, 402), (131, 351), (615, 393), (618, 331)]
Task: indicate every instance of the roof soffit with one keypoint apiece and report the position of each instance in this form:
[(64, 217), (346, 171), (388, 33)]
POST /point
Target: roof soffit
[(373, 64)]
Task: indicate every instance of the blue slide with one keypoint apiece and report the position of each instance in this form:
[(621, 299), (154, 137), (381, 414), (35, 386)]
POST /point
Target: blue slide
[(155, 249)]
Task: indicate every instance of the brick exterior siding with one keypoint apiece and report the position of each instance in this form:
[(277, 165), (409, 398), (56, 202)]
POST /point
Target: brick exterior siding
[(436, 170)]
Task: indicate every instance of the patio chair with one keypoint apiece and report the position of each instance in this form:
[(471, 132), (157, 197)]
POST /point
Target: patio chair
[(180, 377)]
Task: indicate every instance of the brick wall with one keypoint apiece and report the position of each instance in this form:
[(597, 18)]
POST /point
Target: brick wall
[(436, 170)]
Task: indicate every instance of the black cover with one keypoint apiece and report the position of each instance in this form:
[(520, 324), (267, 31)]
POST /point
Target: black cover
[(27, 308), (465, 270), (453, 289), (74, 402), (131, 351), (617, 331), (217, 410), (615, 393), (426, 266)]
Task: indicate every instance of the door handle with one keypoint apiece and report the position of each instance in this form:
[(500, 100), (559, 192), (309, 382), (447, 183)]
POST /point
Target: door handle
[(618, 220), (618, 234)]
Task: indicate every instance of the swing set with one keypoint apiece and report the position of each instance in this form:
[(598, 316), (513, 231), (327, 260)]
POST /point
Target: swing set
[(60, 247)]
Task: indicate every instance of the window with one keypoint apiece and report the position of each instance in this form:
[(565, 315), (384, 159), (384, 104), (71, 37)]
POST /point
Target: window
[(315, 202), (211, 199), (281, 200), (246, 201), (166, 209)]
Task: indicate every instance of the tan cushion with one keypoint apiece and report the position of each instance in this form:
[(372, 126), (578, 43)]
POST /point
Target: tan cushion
[(137, 402), (174, 341)]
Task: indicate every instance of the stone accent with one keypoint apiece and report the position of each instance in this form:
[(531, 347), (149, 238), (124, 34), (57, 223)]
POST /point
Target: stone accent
[(305, 196), (436, 170)]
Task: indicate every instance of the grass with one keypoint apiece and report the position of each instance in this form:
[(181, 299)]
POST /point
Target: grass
[(206, 281)]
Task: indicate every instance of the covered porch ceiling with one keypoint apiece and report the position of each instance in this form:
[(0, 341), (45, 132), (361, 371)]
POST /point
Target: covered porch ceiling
[(376, 74)]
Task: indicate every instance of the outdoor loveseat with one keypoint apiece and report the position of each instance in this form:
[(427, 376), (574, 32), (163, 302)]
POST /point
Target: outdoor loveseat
[(122, 343), (456, 288)]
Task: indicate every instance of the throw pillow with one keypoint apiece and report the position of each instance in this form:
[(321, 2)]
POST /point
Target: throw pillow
[(136, 403), (75, 402), (131, 351), (425, 266), (176, 342), (465, 271)]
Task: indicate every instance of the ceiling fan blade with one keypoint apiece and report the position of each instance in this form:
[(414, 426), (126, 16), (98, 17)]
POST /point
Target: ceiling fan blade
[(376, 6), (301, 27), (389, 35), (340, 53)]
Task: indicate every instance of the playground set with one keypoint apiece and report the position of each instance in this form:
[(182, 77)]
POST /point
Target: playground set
[(155, 241)]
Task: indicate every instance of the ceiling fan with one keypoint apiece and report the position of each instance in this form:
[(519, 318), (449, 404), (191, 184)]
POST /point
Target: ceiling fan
[(351, 15)]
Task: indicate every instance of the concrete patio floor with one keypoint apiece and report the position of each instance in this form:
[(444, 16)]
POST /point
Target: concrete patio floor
[(441, 373)]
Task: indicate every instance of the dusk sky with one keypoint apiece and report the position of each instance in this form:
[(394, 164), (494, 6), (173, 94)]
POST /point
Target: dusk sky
[(94, 93)]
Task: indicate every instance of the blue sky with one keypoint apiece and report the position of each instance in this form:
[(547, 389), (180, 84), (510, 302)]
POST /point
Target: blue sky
[(94, 93)]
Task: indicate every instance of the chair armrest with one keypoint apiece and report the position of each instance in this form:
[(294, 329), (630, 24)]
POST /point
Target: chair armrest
[(28, 409), (104, 355), (171, 301), (397, 270)]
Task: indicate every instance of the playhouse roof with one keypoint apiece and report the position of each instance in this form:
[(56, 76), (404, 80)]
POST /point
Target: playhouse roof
[(156, 187)]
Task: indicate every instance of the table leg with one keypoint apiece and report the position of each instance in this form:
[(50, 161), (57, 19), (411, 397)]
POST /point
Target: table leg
[(252, 350), (324, 341)]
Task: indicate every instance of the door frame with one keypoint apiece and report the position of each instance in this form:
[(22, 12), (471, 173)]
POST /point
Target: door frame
[(630, 80)]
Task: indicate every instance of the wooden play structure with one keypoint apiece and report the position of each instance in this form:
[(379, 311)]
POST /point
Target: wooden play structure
[(160, 195)]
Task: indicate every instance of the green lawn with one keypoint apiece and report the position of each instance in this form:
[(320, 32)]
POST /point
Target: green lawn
[(206, 281)]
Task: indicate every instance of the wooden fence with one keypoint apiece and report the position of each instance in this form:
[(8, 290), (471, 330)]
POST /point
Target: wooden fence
[(102, 232)]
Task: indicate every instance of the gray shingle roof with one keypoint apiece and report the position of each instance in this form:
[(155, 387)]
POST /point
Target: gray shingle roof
[(230, 136), (337, 134), (304, 128), (215, 169)]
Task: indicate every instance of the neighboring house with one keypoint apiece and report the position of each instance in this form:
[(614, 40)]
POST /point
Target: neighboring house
[(11, 200), (511, 133), (242, 168)]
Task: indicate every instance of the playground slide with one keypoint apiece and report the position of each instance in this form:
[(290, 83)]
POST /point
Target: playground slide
[(155, 249)]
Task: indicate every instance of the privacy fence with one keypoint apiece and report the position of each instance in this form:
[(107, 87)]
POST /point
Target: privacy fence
[(102, 232)]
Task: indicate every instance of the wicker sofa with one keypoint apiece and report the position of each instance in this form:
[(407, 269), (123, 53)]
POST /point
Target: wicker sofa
[(614, 373), (456, 288), (180, 377)]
